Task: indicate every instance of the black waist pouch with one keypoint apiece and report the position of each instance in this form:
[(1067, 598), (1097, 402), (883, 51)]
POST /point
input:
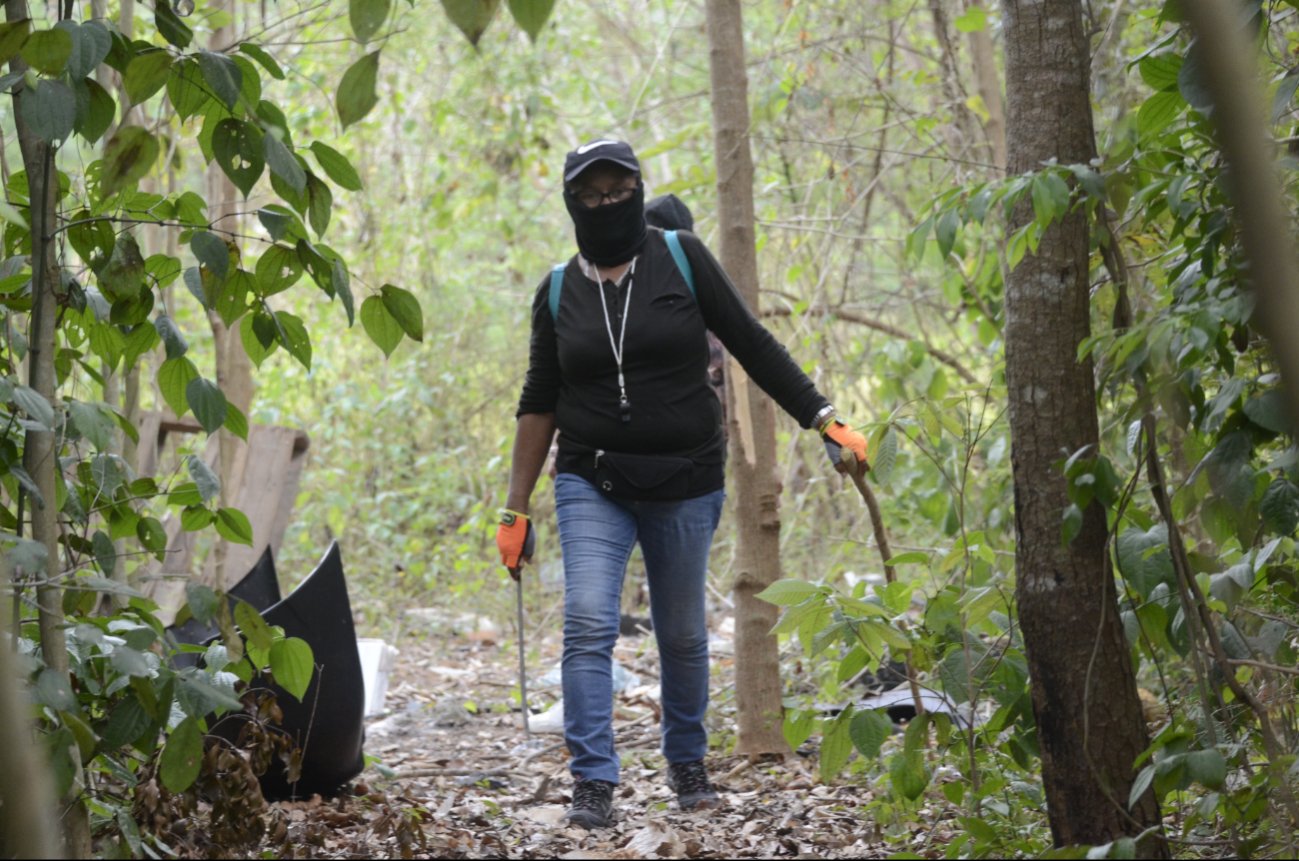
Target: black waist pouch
[(643, 477)]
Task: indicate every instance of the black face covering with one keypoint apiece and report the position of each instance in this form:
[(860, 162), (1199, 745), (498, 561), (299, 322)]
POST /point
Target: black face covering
[(610, 234)]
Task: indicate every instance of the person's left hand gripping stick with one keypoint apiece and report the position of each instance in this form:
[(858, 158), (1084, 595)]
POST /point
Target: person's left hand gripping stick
[(516, 540)]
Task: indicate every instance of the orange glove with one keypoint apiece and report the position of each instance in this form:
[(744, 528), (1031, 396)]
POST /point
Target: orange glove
[(516, 540), (837, 436)]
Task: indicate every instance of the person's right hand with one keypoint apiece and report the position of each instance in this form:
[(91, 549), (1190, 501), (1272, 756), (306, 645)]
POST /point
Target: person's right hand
[(516, 540)]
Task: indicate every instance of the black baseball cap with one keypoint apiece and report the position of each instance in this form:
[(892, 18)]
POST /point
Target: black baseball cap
[(605, 149)]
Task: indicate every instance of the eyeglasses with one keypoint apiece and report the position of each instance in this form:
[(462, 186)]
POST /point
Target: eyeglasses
[(590, 198)]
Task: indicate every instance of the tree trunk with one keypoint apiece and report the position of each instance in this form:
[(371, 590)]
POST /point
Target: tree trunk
[(40, 449), (26, 797), (753, 417), (989, 81), (1089, 719)]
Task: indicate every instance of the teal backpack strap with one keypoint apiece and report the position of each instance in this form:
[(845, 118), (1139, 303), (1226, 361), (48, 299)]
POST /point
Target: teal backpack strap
[(679, 255), (556, 288)]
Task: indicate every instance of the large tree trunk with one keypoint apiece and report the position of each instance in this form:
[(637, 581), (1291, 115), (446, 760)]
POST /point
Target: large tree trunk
[(753, 417), (1089, 720)]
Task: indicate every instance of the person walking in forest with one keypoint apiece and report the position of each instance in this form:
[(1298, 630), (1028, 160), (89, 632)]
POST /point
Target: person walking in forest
[(618, 365)]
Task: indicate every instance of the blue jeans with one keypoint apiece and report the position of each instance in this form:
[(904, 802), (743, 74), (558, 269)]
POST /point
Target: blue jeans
[(596, 534)]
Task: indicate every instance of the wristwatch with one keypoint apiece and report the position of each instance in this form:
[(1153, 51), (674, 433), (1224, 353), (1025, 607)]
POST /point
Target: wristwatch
[(823, 417)]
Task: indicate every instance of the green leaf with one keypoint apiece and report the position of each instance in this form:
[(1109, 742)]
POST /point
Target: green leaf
[(122, 276), (152, 536), (254, 627), (232, 296), (169, 24), (126, 724), (1158, 111), (239, 149), (172, 338), (232, 525), (236, 422), (1280, 506), (174, 376), (146, 75), (54, 690), (293, 335), (95, 423), (380, 325), (141, 340), (222, 75), (292, 665), (261, 56), (256, 349), (1268, 411), (908, 557), (34, 404), (367, 16), (12, 36), (869, 729), (96, 110), (207, 402), (782, 593), (277, 269), (209, 486), (945, 231), (836, 747), (276, 223), (320, 204), (798, 726), (50, 110), (973, 20), (91, 43), (283, 163), (128, 155), (211, 251), (48, 51), (1159, 71), (908, 775), (342, 285), (356, 91), (471, 16), (336, 166), (531, 15), (183, 755), (885, 457), (405, 309), (1207, 767), (1144, 559), (186, 90), (196, 517)]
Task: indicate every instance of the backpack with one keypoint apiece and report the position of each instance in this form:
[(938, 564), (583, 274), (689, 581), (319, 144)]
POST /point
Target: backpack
[(678, 256)]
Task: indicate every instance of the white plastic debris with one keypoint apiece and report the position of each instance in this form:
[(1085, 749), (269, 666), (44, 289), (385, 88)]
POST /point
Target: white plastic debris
[(377, 660)]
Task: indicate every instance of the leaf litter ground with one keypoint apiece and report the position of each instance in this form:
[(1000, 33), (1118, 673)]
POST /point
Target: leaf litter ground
[(456, 777)]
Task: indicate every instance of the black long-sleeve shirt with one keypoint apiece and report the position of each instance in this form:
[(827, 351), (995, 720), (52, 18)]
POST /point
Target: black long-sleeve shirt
[(572, 371)]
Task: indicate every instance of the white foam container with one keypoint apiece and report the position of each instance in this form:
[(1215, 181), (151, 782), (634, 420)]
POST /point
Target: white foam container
[(377, 659)]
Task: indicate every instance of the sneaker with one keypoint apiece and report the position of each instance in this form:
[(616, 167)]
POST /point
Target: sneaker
[(689, 780), (592, 805)]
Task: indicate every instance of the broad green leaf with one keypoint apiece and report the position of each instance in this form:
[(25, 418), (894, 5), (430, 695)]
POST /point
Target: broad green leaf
[(254, 627), (209, 486), (471, 16), (380, 325), (95, 110), (260, 55), (1159, 71), (12, 36), (128, 156), (139, 341), (277, 270), (293, 335), (126, 724), (232, 524), (188, 93), (94, 423), (283, 163), (945, 231), (48, 51), (146, 75), (1207, 767), (1268, 411), (342, 284), (53, 689), (172, 338), (869, 729), (34, 404), (798, 726), (1280, 506), (367, 16), (276, 223), (836, 747), (240, 150), (1158, 111), (211, 251), (256, 349), (91, 43), (183, 754), (292, 665), (1191, 80), (152, 536), (908, 557), (122, 275), (531, 15), (174, 376), (236, 422), (783, 593), (973, 20), (232, 296), (336, 166), (196, 517), (50, 110), (405, 309), (207, 402), (172, 28), (885, 457), (908, 775), (356, 91), (222, 75)]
